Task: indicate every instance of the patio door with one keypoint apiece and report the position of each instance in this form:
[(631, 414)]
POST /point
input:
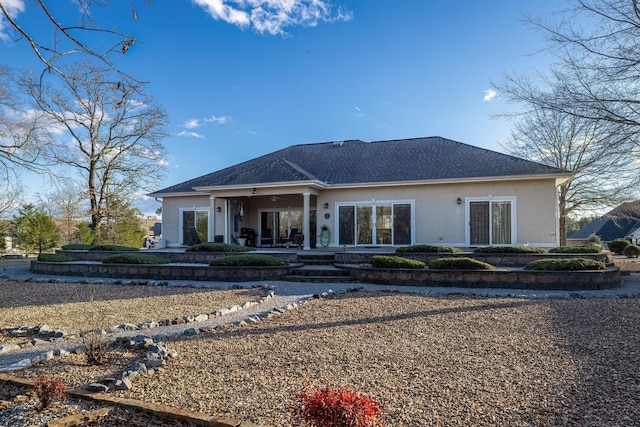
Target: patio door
[(491, 222), (363, 224), (194, 218)]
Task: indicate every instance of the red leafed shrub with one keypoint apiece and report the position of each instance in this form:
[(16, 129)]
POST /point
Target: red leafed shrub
[(49, 389), (337, 408)]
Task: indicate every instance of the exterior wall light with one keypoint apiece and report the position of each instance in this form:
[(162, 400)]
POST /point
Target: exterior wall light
[(219, 209), (459, 201), (254, 191), (326, 205)]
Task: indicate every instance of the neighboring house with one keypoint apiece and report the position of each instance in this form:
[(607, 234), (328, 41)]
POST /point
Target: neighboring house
[(622, 222), (360, 194)]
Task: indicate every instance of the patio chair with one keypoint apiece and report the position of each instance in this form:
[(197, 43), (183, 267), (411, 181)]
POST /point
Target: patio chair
[(195, 240), (290, 239), (266, 238)]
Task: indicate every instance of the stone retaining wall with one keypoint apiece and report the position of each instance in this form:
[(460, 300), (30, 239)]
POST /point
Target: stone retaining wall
[(513, 279), (499, 260), (173, 256), (161, 272)]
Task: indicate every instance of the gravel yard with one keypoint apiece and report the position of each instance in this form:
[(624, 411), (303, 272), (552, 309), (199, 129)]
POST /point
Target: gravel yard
[(429, 360)]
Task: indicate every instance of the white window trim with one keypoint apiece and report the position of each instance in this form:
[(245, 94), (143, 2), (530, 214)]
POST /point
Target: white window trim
[(491, 198), (374, 202), (181, 219)]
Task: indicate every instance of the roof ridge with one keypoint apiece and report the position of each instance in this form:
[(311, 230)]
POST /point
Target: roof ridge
[(299, 168)]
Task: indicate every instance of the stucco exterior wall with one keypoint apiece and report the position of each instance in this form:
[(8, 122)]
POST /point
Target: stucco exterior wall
[(438, 218)]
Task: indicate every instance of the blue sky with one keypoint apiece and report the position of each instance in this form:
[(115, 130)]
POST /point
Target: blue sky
[(236, 88)]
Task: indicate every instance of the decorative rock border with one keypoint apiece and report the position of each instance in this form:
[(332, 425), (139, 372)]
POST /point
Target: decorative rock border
[(512, 279)]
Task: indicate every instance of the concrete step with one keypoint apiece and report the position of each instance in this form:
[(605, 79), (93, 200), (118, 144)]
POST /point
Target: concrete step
[(321, 271)]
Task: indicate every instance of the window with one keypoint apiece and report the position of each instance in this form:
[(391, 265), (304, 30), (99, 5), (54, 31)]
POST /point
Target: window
[(491, 222), (194, 218), (382, 223)]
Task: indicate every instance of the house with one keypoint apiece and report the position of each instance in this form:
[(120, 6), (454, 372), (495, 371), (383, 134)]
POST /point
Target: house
[(362, 194), (621, 222)]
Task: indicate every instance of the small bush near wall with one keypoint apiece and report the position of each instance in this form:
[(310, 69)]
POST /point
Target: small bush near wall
[(589, 248), (218, 247), (429, 249), (631, 251), (618, 245), (385, 261), (459, 264), (134, 259), (566, 264), (55, 258), (113, 248), (76, 247), (249, 260), (508, 250)]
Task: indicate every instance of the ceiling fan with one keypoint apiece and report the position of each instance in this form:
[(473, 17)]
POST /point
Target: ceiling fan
[(276, 198)]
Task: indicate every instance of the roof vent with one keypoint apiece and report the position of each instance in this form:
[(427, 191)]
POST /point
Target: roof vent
[(337, 144)]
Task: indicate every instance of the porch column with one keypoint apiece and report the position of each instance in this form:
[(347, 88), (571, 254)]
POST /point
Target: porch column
[(305, 223), (212, 218)]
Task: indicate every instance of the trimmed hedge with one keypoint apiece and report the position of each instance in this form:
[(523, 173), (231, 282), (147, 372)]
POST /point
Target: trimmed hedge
[(508, 250), (55, 258), (631, 251), (385, 261), (113, 248), (218, 247), (459, 264), (567, 264), (617, 246), (134, 259), (249, 260), (429, 249), (589, 248), (76, 247)]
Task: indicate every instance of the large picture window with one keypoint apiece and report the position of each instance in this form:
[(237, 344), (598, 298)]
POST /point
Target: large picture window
[(383, 223), (491, 222)]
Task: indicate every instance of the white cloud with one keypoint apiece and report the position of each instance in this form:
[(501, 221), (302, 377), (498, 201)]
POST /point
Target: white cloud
[(14, 7), (359, 112), (273, 16), (222, 120), (489, 94), (191, 134), (193, 123)]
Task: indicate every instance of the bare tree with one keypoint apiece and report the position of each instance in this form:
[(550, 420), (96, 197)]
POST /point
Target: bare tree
[(22, 134), (65, 205), (114, 128), (596, 74), (599, 153), (69, 39)]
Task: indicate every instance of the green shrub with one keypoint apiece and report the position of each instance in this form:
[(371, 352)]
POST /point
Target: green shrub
[(76, 247), (429, 249), (459, 264), (113, 248), (508, 250), (55, 258), (249, 260), (589, 248), (594, 238), (631, 251), (618, 245), (384, 261), (569, 264), (134, 259), (218, 247)]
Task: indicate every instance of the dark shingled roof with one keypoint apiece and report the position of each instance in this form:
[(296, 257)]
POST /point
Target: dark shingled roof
[(359, 162), (616, 224)]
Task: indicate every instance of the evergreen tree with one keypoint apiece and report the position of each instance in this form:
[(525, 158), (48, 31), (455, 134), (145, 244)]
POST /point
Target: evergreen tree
[(36, 231)]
